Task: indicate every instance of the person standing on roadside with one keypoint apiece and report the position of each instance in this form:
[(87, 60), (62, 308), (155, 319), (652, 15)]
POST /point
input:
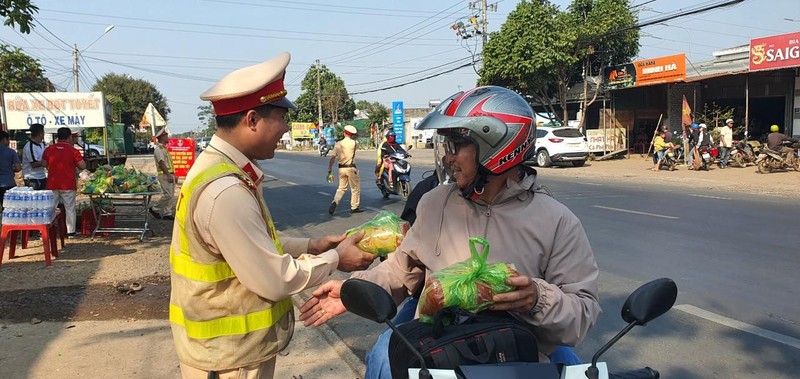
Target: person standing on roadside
[(9, 165), (165, 207), (345, 153), (33, 171), (63, 162), (725, 142), (232, 273)]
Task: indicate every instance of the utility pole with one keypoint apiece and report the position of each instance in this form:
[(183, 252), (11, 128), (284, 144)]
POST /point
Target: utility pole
[(319, 95), (75, 67), (484, 8)]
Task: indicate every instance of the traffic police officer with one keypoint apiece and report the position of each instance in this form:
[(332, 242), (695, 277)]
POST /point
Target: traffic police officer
[(345, 153), (232, 273), (165, 207)]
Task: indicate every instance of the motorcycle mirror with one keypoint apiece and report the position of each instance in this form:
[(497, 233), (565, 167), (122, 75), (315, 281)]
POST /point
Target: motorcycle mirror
[(410, 147), (644, 304), (650, 301), (368, 300)]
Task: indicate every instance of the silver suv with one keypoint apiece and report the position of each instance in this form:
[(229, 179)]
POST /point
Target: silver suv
[(560, 144)]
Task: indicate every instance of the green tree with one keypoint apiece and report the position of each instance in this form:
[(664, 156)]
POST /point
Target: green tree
[(208, 118), (541, 51), (337, 105), (18, 12), (133, 95), (20, 72), (376, 112)]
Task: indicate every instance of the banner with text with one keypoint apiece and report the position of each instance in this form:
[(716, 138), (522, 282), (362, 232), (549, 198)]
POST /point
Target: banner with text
[(771, 52), (398, 122), (302, 130), (183, 154), (54, 110), (609, 139), (646, 72)]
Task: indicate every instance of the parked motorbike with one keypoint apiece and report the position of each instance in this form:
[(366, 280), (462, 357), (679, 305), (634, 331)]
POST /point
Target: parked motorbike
[(669, 161), (401, 176), (705, 157), (769, 160), (323, 150), (646, 303), (742, 154)]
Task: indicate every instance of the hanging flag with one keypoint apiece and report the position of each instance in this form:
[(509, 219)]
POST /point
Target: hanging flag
[(686, 117)]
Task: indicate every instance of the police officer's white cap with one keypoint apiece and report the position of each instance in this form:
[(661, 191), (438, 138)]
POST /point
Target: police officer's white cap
[(250, 87), (729, 121), (350, 129), (703, 126), (161, 132)]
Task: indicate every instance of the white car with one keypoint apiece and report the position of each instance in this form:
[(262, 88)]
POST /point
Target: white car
[(91, 150), (560, 144)]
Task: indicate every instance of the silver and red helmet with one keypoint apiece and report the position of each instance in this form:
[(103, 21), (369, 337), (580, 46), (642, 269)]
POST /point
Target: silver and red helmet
[(499, 121)]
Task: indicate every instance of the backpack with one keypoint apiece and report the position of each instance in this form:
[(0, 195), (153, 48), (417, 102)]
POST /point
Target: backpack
[(470, 338)]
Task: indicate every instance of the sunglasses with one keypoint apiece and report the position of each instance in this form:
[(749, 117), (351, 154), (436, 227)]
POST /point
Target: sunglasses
[(453, 144)]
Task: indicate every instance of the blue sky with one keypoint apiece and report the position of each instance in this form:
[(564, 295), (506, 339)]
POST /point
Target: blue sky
[(183, 47)]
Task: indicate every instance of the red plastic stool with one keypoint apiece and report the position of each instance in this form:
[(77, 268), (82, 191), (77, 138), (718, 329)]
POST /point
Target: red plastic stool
[(47, 230)]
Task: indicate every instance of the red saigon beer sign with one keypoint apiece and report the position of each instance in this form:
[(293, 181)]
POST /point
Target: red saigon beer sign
[(182, 152), (775, 52)]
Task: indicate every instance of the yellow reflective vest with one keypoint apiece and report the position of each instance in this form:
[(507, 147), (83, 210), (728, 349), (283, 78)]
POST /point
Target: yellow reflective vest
[(217, 323)]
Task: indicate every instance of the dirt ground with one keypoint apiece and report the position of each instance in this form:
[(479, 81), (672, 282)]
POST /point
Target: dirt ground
[(94, 279)]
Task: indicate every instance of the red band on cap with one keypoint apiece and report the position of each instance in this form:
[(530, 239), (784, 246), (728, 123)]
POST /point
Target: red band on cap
[(271, 92)]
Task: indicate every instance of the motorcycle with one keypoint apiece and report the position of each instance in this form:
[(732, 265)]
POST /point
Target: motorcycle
[(323, 150), (646, 303), (705, 157), (670, 160), (769, 160), (742, 154), (400, 183)]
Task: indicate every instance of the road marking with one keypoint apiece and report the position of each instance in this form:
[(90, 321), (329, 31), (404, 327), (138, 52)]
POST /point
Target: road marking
[(731, 323), (324, 193), (636, 212), (590, 184), (291, 183), (373, 209), (710, 197)]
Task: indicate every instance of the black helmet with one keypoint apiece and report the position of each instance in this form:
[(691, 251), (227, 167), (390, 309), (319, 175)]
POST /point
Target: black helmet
[(390, 133)]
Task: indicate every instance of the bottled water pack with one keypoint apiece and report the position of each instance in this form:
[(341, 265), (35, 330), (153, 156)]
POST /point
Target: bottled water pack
[(24, 206)]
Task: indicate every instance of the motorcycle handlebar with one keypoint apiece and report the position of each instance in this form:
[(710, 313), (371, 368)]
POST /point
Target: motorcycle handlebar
[(642, 373)]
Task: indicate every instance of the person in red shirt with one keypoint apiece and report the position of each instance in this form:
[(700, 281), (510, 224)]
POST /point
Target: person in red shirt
[(62, 162)]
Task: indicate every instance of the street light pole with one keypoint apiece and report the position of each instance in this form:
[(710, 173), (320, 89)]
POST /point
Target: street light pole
[(76, 53)]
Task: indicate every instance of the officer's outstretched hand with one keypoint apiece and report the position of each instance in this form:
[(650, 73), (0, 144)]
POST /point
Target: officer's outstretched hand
[(320, 245), (351, 258), (325, 304)]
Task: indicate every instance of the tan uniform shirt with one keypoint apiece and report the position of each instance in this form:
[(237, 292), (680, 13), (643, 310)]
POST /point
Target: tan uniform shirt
[(160, 154), (228, 219), (345, 151)]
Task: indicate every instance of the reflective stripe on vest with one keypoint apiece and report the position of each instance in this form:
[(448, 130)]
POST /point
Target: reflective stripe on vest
[(167, 160), (183, 265), (230, 325)]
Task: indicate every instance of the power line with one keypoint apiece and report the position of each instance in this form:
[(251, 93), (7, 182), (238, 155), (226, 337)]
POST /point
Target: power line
[(159, 72), (413, 81), (413, 73), (388, 12), (393, 35)]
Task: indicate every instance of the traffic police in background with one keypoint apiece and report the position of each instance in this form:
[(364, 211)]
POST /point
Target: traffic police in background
[(345, 153), (232, 273), (165, 208)]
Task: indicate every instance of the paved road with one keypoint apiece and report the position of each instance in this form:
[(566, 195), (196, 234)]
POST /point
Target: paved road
[(734, 257)]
